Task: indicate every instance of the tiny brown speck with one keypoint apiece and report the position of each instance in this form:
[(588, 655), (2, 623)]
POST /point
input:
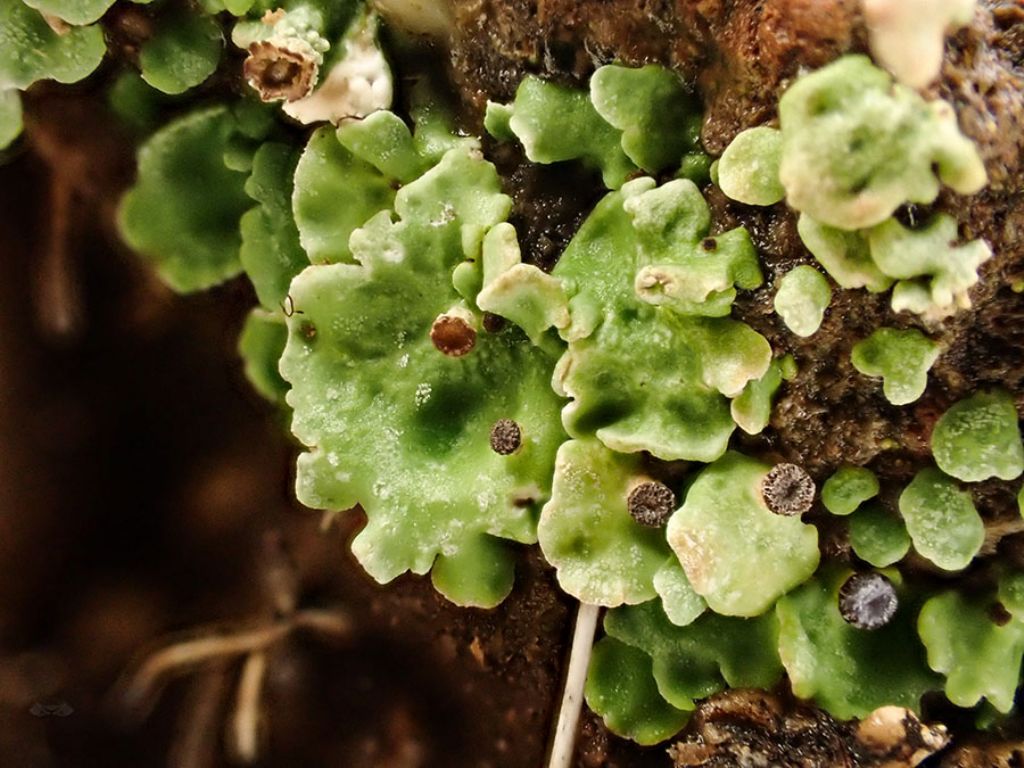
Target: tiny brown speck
[(709, 244), (452, 336), (999, 615), (788, 490), (651, 504), (308, 330), (506, 437), (493, 323)]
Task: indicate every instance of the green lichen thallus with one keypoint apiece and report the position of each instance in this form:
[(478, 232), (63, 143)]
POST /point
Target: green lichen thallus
[(466, 398)]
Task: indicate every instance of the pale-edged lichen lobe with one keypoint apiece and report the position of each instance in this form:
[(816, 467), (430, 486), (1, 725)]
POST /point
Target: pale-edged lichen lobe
[(417, 390)]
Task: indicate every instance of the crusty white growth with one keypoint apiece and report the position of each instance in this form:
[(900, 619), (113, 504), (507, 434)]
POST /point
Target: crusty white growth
[(907, 36), (899, 734), (422, 17), (359, 84)]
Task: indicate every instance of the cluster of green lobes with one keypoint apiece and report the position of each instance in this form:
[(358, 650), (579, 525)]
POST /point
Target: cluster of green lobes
[(469, 401)]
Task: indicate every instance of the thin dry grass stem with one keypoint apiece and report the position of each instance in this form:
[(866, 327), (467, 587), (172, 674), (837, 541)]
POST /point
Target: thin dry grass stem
[(334, 624), (217, 648), (329, 518), (198, 728), (280, 577), (564, 745), (141, 689), (244, 727), (58, 300)]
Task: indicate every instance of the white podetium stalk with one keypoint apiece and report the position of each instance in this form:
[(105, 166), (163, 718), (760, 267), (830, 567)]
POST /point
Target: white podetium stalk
[(572, 697), (907, 36)]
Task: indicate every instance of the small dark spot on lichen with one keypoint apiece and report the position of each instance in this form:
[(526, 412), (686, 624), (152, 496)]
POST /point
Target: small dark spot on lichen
[(867, 601), (506, 437), (651, 503), (452, 336), (494, 323), (308, 330), (788, 490), (709, 244), (998, 614)]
